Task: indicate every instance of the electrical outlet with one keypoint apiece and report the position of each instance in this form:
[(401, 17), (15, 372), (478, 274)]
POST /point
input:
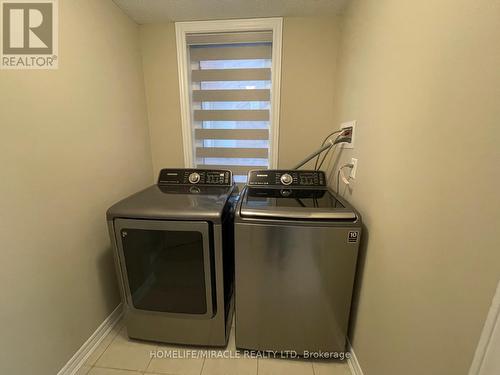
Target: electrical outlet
[(354, 163), (349, 124)]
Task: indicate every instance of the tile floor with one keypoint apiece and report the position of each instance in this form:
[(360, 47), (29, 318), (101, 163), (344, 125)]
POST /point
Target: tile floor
[(118, 355)]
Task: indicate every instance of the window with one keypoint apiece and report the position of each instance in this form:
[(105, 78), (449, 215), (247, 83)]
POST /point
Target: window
[(229, 79)]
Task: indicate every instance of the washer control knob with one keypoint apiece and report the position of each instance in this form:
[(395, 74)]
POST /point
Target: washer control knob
[(286, 179), (194, 178)]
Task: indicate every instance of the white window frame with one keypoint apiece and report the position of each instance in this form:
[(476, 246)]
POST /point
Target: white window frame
[(275, 25)]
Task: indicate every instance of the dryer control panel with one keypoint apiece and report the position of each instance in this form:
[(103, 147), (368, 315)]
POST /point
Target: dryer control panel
[(188, 176), (292, 178)]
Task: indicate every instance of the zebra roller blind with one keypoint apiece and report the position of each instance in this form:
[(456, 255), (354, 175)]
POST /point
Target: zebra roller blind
[(230, 81)]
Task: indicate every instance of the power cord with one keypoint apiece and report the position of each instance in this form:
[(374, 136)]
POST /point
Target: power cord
[(340, 138), (345, 135), (323, 143), (340, 173), (334, 146)]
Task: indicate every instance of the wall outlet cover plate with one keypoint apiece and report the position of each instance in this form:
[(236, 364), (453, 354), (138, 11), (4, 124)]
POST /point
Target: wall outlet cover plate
[(354, 168), (353, 136)]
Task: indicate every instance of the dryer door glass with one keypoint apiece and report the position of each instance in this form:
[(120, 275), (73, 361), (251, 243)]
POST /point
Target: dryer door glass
[(167, 270)]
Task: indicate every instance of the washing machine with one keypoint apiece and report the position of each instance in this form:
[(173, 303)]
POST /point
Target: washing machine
[(174, 253), (295, 264)]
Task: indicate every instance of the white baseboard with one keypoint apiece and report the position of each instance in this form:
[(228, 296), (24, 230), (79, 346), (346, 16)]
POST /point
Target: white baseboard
[(353, 361), (91, 344)]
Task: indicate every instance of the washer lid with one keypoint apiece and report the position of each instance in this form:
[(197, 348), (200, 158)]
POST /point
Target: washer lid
[(303, 204)]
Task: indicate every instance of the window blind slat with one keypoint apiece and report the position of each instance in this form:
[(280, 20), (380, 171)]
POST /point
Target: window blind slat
[(231, 95), (236, 169), (228, 152), (230, 38), (231, 53), (263, 74), (246, 134), (231, 115)]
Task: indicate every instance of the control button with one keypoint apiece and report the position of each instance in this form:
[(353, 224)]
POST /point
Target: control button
[(286, 179), (194, 178)]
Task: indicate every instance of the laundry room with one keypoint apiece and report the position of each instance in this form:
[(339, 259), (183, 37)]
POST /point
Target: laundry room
[(264, 187)]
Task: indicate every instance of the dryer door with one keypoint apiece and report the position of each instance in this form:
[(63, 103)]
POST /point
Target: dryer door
[(166, 266)]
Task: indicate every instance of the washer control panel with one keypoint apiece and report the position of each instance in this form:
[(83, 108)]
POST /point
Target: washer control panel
[(189, 176), (291, 178)]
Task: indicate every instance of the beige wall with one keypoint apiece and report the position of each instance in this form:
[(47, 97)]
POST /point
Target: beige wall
[(308, 85), (423, 81), (308, 70), (159, 56), (73, 141)]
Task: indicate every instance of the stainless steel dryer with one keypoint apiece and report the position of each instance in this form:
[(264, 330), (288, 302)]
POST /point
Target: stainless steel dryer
[(174, 253), (295, 257)]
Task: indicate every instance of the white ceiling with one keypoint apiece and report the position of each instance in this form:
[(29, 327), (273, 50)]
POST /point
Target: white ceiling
[(150, 11)]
